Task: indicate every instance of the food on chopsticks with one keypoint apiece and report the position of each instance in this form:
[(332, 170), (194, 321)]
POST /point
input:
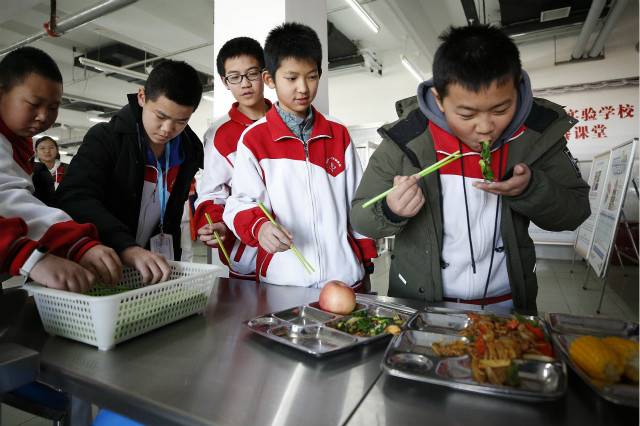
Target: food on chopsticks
[(493, 343), (607, 360), (365, 325), (338, 298), (485, 161)]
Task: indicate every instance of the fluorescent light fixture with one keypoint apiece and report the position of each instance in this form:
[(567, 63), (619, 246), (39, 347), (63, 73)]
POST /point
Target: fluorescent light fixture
[(113, 69), (363, 15), (411, 68), (207, 98), (98, 119)]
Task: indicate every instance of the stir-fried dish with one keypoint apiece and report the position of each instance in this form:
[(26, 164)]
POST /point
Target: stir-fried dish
[(493, 343), (364, 325)]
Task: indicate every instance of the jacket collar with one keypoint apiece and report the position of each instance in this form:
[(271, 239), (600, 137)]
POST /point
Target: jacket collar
[(239, 117), (280, 131), (22, 148)]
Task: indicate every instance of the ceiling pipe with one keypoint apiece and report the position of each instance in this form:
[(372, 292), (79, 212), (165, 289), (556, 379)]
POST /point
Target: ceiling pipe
[(611, 20), (587, 28), (73, 21)]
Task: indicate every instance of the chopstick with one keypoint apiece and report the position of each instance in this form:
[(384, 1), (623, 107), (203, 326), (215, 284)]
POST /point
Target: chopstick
[(218, 240), (294, 249), (432, 168)]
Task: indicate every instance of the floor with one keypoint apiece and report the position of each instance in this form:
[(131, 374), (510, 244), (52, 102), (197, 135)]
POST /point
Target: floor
[(560, 290)]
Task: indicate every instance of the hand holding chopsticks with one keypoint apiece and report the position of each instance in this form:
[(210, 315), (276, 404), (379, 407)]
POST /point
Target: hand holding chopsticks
[(432, 168), (307, 266), (218, 240)]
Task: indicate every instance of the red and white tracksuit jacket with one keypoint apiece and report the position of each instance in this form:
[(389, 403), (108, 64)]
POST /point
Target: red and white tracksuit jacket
[(309, 192), (26, 222), (458, 277), (214, 187)]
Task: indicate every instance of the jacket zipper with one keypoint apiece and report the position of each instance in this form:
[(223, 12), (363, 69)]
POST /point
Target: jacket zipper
[(313, 208)]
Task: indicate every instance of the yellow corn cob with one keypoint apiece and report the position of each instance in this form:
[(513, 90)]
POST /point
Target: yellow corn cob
[(598, 361), (628, 351)]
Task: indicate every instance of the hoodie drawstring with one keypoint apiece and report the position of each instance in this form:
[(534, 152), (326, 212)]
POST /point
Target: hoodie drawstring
[(495, 231), (466, 209)]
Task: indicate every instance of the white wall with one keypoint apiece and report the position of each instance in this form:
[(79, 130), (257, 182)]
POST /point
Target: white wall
[(361, 98)]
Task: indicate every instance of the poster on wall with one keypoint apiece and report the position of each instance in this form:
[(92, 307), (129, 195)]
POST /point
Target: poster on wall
[(614, 191), (605, 117), (597, 176)]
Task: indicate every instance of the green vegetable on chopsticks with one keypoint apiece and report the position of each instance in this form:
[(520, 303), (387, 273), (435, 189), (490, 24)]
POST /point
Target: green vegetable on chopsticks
[(485, 161)]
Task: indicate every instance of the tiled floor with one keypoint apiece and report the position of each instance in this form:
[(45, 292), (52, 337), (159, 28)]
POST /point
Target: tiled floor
[(560, 290)]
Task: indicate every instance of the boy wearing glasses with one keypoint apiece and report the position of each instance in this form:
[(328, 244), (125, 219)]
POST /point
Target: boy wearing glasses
[(303, 167), (240, 63)]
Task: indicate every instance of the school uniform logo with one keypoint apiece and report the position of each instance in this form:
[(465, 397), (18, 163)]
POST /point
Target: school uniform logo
[(333, 166)]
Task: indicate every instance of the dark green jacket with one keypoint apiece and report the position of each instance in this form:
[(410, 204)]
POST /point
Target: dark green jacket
[(556, 200)]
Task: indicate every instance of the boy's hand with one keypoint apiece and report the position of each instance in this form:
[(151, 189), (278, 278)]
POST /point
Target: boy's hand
[(62, 274), (273, 238), (511, 187), (406, 199), (153, 267), (205, 234), (104, 263)]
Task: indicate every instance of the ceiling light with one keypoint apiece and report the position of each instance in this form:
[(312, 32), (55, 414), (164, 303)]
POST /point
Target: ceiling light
[(363, 15), (411, 68), (113, 69), (98, 119)]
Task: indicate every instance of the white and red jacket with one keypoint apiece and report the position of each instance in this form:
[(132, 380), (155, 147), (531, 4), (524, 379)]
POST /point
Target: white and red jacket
[(57, 171), (27, 222), (308, 188), (459, 279), (220, 145)]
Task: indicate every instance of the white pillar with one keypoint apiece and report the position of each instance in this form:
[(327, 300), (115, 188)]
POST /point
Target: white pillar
[(255, 18)]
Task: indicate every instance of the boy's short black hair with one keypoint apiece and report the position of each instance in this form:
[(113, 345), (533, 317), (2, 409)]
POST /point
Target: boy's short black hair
[(237, 47), (176, 80), (18, 64), (474, 57), (292, 40)]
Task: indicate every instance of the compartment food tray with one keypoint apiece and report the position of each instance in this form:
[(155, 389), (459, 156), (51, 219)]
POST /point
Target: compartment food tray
[(309, 329), (566, 328), (410, 356)]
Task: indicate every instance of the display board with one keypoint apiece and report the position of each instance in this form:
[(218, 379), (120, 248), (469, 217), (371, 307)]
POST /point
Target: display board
[(597, 175), (614, 191)]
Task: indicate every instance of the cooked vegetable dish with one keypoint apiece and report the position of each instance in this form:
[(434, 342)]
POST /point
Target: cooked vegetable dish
[(364, 325), (494, 342)]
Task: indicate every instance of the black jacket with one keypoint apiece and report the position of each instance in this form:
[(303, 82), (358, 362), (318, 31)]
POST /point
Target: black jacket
[(103, 184)]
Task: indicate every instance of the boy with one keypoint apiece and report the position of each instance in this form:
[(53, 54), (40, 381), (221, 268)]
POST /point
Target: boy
[(303, 167), (36, 240), (459, 238), (131, 176), (240, 63)]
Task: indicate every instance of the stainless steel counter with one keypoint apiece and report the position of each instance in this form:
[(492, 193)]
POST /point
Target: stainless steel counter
[(210, 370)]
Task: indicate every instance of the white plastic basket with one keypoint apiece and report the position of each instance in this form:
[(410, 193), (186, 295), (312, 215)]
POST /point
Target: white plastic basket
[(104, 321)]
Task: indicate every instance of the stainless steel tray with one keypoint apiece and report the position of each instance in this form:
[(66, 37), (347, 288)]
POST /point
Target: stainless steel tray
[(566, 328), (312, 330), (575, 324), (410, 356)]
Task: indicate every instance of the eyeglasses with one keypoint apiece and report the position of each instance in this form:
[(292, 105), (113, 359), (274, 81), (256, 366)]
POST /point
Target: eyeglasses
[(252, 75)]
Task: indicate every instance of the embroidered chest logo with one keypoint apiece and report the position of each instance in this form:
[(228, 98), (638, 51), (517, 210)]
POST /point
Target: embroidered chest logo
[(333, 166)]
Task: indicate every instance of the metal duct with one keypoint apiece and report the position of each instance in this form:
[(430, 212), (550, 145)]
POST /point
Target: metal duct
[(588, 27), (612, 18), (74, 21)]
